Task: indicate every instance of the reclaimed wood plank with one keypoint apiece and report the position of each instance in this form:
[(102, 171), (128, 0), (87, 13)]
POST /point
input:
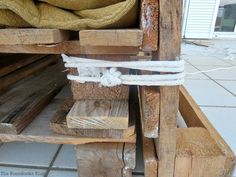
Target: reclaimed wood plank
[(127, 37), (11, 36), (68, 47), (106, 159), (149, 24), (194, 117), (170, 13), (99, 114), (59, 125), (26, 71), (21, 104), (149, 98), (13, 62)]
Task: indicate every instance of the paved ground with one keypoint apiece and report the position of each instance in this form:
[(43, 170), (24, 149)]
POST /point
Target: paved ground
[(215, 93)]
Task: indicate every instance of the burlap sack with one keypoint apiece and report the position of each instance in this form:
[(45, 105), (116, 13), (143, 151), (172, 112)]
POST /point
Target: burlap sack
[(26, 13)]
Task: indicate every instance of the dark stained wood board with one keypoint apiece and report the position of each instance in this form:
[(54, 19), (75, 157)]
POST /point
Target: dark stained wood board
[(21, 103)]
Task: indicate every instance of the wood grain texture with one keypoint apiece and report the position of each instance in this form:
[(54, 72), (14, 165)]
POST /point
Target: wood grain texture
[(198, 154), (170, 17), (106, 159), (32, 36), (68, 47), (59, 125), (26, 71), (99, 114), (149, 24), (129, 37), (150, 110), (83, 91), (13, 62), (21, 104), (194, 117)]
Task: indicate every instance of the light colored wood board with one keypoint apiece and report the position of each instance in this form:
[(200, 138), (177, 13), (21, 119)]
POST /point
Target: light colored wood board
[(149, 24), (170, 14), (99, 114), (194, 117), (150, 110), (39, 131), (198, 154), (59, 125), (69, 47), (11, 36), (129, 37), (26, 71), (21, 103), (13, 62), (106, 159)]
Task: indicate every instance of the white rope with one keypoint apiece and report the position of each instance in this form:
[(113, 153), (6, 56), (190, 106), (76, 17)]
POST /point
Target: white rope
[(106, 73)]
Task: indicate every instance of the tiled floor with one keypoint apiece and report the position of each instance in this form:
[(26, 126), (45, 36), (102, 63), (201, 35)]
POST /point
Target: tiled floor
[(215, 93)]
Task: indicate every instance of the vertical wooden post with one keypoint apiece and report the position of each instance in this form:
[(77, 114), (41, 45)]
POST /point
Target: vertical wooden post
[(106, 159), (169, 49)]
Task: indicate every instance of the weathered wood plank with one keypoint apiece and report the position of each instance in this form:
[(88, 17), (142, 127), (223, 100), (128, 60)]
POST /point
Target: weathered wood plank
[(99, 114), (149, 157), (28, 70), (13, 62), (170, 13), (150, 110), (149, 24), (106, 159), (194, 117), (22, 103), (32, 36), (59, 125), (68, 47), (128, 37), (198, 154)]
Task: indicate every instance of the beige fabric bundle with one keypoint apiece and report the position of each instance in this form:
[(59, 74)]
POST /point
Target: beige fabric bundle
[(80, 14)]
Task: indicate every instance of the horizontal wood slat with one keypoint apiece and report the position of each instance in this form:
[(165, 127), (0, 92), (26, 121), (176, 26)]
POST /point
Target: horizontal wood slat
[(10, 36), (128, 37)]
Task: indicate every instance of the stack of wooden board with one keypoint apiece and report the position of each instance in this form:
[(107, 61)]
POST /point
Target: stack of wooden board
[(22, 101)]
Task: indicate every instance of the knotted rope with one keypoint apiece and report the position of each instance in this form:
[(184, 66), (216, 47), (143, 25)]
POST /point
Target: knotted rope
[(106, 73)]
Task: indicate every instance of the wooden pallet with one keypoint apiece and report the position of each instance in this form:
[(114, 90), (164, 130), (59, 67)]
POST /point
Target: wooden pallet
[(200, 150)]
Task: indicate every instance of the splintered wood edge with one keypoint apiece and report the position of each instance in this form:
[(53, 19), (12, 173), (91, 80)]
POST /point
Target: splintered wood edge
[(149, 110)]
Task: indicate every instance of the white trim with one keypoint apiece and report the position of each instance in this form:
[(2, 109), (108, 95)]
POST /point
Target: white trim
[(185, 15), (227, 35), (214, 18)]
